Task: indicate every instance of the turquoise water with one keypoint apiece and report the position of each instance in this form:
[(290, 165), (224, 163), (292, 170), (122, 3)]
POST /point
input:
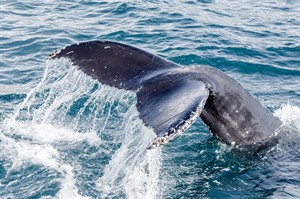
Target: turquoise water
[(63, 135)]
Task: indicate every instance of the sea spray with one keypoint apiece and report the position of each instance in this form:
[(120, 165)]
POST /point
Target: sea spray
[(133, 170), (68, 111), (289, 115)]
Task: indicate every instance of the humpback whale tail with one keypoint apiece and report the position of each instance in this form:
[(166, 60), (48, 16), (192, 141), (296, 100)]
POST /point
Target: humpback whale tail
[(170, 97)]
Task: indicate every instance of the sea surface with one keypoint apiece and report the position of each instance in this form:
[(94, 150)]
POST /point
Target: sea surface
[(64, 135)]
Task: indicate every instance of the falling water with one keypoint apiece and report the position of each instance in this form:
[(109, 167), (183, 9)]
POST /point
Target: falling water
[(68, 116)]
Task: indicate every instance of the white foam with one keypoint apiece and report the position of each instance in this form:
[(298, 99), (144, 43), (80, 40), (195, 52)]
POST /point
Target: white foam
[(289, 115), (49, 133), (22, 152)]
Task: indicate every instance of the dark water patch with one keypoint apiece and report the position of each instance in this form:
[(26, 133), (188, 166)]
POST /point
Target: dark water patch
[(93, 3), (123, 9), (10, 98), (205, 1), (293, 51), (192, 26), (218, 13)]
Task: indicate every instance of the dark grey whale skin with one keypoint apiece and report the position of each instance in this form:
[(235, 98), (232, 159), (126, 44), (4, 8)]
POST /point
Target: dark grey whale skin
[(170, 96)]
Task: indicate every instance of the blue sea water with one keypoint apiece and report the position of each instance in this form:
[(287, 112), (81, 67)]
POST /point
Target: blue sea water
[(64, 135)]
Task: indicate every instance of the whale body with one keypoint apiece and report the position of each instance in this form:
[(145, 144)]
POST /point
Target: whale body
[(170, 97)]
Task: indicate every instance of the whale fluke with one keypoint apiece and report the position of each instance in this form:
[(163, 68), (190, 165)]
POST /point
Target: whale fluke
[(112, 63), (171, 97)]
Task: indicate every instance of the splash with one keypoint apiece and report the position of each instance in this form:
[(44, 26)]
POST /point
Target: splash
[(289, 132), (132, 165), (69, 114), (289, 115)]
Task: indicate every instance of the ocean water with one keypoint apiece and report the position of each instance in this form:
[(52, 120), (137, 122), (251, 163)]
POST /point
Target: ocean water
[(64, 135)]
